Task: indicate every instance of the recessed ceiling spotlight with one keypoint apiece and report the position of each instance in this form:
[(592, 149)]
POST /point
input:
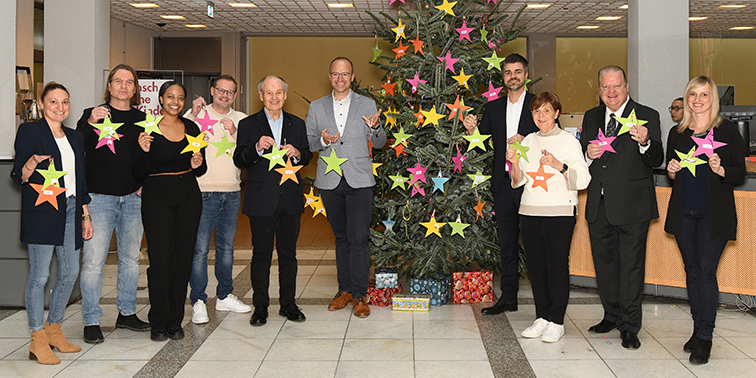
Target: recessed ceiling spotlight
[(741, 28), (588, 27), (172, 17), (623, 6), (242, 5), (538, 6), (732, 6), (338, 5), (608, 18), (195, 26), (697, 18), (144, 5)]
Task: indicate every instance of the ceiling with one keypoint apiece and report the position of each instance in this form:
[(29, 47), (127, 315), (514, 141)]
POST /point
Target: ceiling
[(314, 17)]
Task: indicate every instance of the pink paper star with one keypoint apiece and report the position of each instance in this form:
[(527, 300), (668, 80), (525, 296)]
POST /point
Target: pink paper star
[(415, 82), (449, 61), (393, 1), (464, 31), (493, 93), (418, 172), (604, 142), (417, 189), (487, 1), (707, 145), (458, 161), (107, 141), (206, 123)]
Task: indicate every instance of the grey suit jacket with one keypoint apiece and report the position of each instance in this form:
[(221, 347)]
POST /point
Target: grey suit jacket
[(353, 145)]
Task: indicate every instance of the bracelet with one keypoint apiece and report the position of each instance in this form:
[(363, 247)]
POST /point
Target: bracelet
[(86, 217)]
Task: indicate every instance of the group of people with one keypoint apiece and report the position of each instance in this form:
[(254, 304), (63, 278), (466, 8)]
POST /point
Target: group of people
[(535, 195), (146, 181)]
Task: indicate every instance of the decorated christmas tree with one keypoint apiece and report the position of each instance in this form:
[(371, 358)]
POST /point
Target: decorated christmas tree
[(433, 208)]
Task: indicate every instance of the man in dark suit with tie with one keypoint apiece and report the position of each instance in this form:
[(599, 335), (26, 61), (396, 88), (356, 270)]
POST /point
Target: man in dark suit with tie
[(621, 202), (273, 199), (506, 119)]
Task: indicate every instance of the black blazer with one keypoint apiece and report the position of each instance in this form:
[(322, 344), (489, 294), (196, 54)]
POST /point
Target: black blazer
[(627, 176), (43, 224), (723, 220), (494, 122), (262, 191)]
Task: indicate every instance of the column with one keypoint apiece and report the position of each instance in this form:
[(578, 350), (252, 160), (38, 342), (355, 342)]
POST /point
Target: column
[(542, 59), (7, 77)]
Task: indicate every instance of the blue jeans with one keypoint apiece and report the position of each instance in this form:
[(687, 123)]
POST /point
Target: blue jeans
[(124, 214), (40, 257), (220, 211)]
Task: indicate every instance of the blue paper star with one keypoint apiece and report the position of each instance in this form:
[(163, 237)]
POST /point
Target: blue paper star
[(389, 224), (438, 183)]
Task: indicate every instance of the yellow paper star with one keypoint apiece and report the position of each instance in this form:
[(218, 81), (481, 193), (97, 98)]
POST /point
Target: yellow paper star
[(195, 143), (476, 140), (447, 7), (391, 117), (432, 226), (462, 78), (399, 30), (375, 167), (317, 208), (431, 116), (310, 199), (288, 172)]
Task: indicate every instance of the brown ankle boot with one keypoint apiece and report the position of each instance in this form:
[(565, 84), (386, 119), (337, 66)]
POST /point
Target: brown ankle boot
[(55, 338), (40, 350)]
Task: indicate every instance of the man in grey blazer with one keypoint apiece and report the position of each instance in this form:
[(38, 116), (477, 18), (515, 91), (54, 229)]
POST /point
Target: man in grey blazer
[(341, 125)]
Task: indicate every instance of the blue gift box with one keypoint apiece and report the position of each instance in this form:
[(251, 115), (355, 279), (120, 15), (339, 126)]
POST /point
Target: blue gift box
[(438, 289), (386, 278)]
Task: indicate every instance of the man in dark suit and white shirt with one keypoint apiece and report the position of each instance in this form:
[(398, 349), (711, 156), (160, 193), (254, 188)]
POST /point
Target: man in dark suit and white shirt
[(506, 119), (621, 202), (344, 123), (274, 206)]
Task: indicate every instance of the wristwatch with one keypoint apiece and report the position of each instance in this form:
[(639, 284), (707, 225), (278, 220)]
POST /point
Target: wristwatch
[(564, 168)]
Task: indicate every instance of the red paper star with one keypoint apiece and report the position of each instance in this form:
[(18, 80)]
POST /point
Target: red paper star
[(400, 51), (540, 177), (389, 87), (418, 45), (206, 123), (48, 194), (457, 108), (479, 209)]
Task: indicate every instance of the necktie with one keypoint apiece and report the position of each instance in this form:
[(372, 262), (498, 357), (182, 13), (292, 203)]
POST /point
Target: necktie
[(612, 127)]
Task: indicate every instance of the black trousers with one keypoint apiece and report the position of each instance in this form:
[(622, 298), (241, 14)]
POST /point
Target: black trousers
[(171, 209), (546, 241), (619, 256), (349, 212), (507, 206), (284, 230)]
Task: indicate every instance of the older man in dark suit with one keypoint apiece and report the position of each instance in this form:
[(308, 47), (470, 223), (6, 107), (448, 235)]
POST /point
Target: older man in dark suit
[(273, 201), (621, 202)]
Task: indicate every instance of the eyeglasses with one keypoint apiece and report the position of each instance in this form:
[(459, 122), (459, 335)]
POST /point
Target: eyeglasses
[(226, 92), (675, 108), (343, 75)]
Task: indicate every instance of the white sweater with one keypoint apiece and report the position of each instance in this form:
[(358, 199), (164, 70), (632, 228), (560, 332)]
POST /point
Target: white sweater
[(562, 196)]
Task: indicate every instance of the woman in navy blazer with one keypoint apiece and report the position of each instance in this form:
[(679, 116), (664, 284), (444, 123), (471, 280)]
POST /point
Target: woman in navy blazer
[(43, 227)]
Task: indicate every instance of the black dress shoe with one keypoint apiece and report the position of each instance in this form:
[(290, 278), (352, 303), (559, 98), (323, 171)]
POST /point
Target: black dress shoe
[(630, 340), (158, 335), (259, 317), (689, 346), (500, 306), (131, 322), (292, 312), (176, 334), (93, 334), (701, 352), (603, 327)]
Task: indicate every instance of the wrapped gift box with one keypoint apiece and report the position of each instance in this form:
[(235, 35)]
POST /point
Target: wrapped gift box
[(381, 297), (472, 286), (438, 289), (411, 302), (386, 278)]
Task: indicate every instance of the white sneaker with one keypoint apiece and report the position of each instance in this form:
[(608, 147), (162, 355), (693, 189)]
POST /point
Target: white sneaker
[(231, 303), (553, 333), (535, 330), (199, 313)]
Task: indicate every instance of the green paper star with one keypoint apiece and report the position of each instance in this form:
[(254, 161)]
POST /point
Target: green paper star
[(689, 161), (107, 128), (376, 52), (51, 175), (476, 140), (458, 227), (478, 178), (401, 137), (527, 81), (484, 35), (224, 146), (276, 157), (494, 61), (629, 122), (398, 180), (150, 124), (521, 150), (334, 162)]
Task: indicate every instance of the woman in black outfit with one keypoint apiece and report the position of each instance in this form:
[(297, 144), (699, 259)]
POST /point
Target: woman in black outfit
[(171, 208), (701, 211)]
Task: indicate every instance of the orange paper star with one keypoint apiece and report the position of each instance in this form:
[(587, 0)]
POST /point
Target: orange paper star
[(457, 108), (479, 209), (400, 150), (48, 194), (389, 87), (288, 172), (418, 45), (400, 51), (540, 177), (420, 118)]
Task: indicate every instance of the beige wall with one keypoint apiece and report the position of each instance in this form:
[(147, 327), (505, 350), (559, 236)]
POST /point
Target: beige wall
[(134, 50), (728, 62)]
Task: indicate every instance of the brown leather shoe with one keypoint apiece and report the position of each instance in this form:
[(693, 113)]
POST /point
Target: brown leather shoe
[(340, 301), (361, 309)]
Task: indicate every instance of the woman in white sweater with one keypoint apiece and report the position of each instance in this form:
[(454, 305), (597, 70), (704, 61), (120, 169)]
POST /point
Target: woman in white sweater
[(552, 174)]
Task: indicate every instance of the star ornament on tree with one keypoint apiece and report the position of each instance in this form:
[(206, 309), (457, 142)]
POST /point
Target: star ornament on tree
[(399, 30), (446, 7), (150, 124), (276, 157), (707, 144), (393, 1), (689, 160), (51, 175), (400, 51), (334, 162), (629, 122), (418, 173), (604, 142), (375, 168), (206, 123), (478, 178), (479, 209), (391, 117), (224, 146), (464, 31), (539, 178), (389, 87), (416, 188), (398, 180), (420, 118), (492, 93), (458, 228), (48, 193), (433, 227), (389, 224), (401, 137), (376, 52), (493, 61), (438, 183), (195, 143), (458, 160), (431, 116), (415, 82), (476, 140), (520, 149), (288, 172), (418, 45), (107, 141), (448, 60), (462, 78), (107, 128), (457, 108)]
